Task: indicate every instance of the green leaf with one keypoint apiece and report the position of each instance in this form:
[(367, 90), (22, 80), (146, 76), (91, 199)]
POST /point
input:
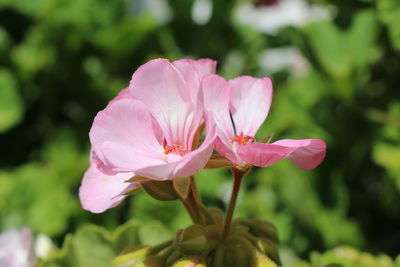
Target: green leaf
[(93, 246), (4, 42), (362, 36), (123, 37), (89, 247), (389, 14), (11, 108), (126, 236), (153, 233), (350, 257), (329, 45)]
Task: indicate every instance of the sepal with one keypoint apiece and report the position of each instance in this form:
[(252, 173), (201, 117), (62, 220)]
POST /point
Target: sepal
[(160, 190), (182, 186)]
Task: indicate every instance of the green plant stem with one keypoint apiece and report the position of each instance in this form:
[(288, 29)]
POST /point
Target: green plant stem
[(195, 192), (189, 209), (237, 175), (195, 200), (195, 209), (193, 203)]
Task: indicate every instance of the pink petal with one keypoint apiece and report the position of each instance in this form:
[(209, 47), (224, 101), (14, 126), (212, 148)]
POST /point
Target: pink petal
[(183, 166), (263, 155), (250, 102), (161, 172), (225, 150), (195, 161), (193, 71), (205, 66), (122, 138), (123, 94), (305, 154), (16, 248), (99, 192), (216, 93), (192, 76), (169, 98)]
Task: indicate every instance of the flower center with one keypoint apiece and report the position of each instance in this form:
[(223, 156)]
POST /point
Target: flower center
[(176, 148), (241, 140)]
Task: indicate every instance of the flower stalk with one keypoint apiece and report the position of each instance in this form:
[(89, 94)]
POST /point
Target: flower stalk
[(238, 176)]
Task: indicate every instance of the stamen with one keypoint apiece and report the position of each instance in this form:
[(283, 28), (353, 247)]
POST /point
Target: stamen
[(176, 148), (241, 140)]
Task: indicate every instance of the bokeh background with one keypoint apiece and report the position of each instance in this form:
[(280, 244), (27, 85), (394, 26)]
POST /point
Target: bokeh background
[(335, 67)]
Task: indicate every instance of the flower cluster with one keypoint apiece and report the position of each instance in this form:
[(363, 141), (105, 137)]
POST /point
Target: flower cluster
[(153, 128)]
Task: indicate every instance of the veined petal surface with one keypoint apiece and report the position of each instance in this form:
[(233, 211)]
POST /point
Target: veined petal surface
[(123, 139), (169, 98), (250, 102), (305, 154), (99, 192)]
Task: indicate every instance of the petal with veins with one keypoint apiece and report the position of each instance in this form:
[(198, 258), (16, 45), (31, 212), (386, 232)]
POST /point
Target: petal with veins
[(250, 102), (123, 139), (195, 161), (99, 192), (216, 101), (305, 154), (163, 89)]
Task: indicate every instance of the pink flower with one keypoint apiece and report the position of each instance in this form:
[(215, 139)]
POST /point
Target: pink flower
[(16, 248), (238, 108), (149, 131)]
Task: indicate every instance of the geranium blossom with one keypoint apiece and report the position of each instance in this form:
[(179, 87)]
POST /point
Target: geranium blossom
[(238, 108), (149, 130), (16, 248)]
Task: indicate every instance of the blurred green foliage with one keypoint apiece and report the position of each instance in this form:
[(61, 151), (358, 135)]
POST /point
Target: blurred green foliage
[(61, 61)]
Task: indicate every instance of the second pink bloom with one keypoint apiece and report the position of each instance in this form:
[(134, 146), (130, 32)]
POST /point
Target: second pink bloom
[(238, 107)]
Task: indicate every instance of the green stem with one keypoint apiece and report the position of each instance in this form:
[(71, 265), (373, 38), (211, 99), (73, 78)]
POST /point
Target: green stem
[(189, 210), (195, 208), (195, 199), (193, 202), (195, 192), (238, 175)]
